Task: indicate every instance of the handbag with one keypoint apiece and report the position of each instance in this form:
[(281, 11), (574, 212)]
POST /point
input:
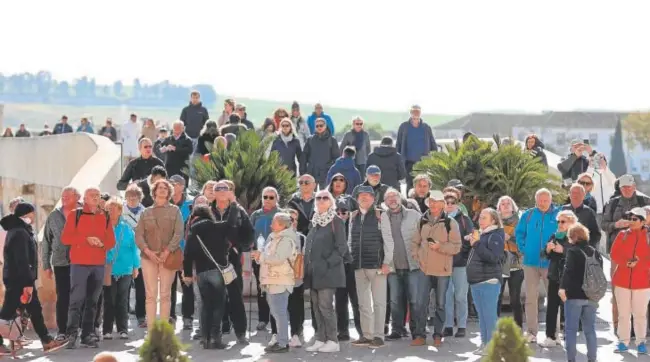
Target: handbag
[(108, 268), (298, 266), (229, 274)]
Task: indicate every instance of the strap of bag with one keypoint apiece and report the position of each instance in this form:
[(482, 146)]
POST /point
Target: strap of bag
[(117, 247), (207, 253)]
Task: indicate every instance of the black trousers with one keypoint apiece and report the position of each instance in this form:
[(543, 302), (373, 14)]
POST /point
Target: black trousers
[(138, 285), (515, 282), (553, 306), (263, 310), (234, 310), (62, 283), (12, 304), (409, 178), (116, 304), (187, 300), (342, 297)]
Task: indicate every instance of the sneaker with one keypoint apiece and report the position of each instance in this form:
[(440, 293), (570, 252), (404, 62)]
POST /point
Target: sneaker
[(377, 343), (460, 333), (641, 348), (261, 326), (315, 347), (621, 348), (481, 351), (448, 332), (437, 341), (187, 324), (395, 335), (276, 348), (54, 345), (108, 336), (89, 342), (330, 347), (241, 340), (61, 337), (274, 340), (5, 351), (549, 343), (418, 341), (142, 323), (361, 342), (124, 335), (295, 342), (197, 335), (531, 338)]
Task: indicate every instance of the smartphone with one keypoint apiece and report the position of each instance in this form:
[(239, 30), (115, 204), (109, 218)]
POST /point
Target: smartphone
[(585, 141)]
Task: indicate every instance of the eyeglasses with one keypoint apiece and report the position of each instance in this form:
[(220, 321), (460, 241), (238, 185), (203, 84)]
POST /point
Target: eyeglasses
[(359, 124), (286, 126), (342, 212), (450, 202), (320, 126), (221, 188), (267, 197), (338, 179), (585, 183), (322, 198), (304, 182)]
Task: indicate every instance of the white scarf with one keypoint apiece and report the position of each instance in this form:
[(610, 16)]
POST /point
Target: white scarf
[(325, 218)]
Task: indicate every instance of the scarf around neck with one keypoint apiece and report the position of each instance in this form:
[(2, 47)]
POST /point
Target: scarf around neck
[(286, 139), (323, 219)]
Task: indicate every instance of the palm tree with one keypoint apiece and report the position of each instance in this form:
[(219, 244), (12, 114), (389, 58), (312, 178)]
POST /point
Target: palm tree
[(245, 163)]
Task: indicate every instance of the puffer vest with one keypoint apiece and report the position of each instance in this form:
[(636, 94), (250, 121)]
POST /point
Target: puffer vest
[(367, 244)]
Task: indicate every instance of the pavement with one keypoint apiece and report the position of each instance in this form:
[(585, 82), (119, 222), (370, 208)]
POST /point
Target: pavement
[(453, 349)]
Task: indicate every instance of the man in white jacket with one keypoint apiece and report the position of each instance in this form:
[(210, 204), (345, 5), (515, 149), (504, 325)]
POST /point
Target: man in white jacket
[(130, 134)]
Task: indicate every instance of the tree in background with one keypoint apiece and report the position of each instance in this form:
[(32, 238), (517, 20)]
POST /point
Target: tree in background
[(637, 129), (617, 163), (162, 345), (246, 164), (507, 344)]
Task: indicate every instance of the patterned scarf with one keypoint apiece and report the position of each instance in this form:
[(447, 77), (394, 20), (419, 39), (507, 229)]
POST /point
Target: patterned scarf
[(323, 219)]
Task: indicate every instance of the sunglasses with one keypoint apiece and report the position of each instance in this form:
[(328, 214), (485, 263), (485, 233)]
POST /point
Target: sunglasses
[(359, 124), (221, 188), (266, 197), (342, 212), (450, 202), (322, 198), (320, 126), (148, 146), (585, 183), (304, 182), (338, 179), (286, 126)]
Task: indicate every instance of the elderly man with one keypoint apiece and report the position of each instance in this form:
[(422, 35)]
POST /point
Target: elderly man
[(373, 179), (414, 141), (178, 148), (139, 168), (89, 234), (303, 202), (371, 245), (586, 215), (56, 255)]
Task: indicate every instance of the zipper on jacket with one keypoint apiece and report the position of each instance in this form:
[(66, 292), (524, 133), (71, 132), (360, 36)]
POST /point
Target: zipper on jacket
[(541, 237), (361, 218)]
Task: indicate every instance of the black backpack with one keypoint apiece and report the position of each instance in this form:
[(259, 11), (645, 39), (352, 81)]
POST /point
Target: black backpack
[(79, 212), (446, 221)]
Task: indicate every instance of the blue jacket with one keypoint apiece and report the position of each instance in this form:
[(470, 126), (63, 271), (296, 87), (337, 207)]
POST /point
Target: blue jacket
[(185, 212), (262, 223), (533, 232), (345, 166), (311, 122), (125, 255), (88, 128)]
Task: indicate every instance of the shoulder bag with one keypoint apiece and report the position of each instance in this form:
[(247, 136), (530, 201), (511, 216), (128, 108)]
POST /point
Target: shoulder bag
[(228, 273), (174, 260)]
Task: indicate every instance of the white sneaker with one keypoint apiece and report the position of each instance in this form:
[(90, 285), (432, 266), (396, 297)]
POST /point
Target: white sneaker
[(315, 347), (549, 343), (295, 341), (330, 347), (481, 351), (108, 336), (274, 340)]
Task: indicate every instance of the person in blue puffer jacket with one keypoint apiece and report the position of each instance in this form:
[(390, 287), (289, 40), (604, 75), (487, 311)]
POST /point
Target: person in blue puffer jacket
[(345, 165), (536, 227), (318, 113), (124, 261)]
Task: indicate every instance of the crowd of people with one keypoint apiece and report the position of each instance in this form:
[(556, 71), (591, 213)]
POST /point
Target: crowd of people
[(348, 236)]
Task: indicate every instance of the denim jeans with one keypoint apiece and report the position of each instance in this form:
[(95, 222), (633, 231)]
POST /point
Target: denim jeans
[(486, 299), (278, 303), (426, 283), (213, 289), (403, 282), (116, 304), (456, 299), (86, 283), (576, 310)]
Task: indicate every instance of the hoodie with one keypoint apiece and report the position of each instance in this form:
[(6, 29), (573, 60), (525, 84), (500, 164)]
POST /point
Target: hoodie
[(344, 200), (311, 122), (20, 253), (391, 164), (194, 117), (346, 166)]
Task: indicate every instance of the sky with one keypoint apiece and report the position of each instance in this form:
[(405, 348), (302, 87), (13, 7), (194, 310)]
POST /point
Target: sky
[(447, 56)]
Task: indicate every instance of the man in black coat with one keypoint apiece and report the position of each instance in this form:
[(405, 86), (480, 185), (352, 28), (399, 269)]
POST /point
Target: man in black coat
[(586, 215), (390, 162), (178, 148), (20, 274), (194, 116)]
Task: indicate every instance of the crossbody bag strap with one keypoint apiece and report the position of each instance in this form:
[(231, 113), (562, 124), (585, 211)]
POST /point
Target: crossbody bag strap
[(117, 246), (207, 253)]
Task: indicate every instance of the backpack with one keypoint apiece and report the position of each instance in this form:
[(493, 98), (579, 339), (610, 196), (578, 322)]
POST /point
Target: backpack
[(594, 283), (613, 203), (79, 212), (446, 221)]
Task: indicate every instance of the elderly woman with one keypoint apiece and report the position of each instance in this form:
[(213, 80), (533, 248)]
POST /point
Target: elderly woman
[(631, 252), (131, 213), (276, 275), (484, 272), (555, 252), (158, 235), (577, 307), (123, 262), (326, 251), (509, 214)]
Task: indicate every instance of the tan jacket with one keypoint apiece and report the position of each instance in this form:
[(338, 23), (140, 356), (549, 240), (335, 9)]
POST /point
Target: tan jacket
[(436, 262), (159, 228), (277, 258)]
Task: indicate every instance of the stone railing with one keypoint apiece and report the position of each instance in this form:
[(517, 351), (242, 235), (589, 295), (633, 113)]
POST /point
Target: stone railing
[(39, 168)]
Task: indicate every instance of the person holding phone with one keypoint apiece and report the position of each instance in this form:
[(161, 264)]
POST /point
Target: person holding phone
[(631, 253), (576, 162)]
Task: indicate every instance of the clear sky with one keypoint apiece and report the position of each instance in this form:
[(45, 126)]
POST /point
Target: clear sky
[(448, 56)]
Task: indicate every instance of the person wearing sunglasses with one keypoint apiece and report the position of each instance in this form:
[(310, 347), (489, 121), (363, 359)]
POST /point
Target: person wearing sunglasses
[(312, 120), (345, 165), (287, 145), (358, 138), (585, 180), (320, 153), (140, 168), (631, 279), (303, 202)]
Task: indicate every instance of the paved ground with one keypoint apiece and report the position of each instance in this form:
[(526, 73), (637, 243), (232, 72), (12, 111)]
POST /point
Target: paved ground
[(452, 349)]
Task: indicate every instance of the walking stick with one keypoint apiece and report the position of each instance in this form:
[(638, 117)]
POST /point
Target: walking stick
[(250, 300)]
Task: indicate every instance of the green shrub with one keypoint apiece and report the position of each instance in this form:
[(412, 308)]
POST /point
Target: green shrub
[(162, 345), (508, 343)]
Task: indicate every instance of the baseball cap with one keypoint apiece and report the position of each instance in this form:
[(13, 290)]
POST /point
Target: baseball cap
[(626, 180), (365, 190), (455, 183), (638, 211), (373, 170), (436, 195), (177, 179)]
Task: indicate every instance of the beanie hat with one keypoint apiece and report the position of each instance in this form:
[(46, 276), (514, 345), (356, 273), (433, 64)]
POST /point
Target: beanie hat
[(295, 106), (23, 209)]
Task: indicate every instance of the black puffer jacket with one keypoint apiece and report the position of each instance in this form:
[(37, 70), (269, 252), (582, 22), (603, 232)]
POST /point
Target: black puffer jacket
[(366, 242), (466, 227), (305, 211), (391, 164), (556, 265), (21, 258), (214, 236), (572, 166), (205, 142)]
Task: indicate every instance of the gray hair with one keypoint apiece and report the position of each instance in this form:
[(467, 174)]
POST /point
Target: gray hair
[(92, 188), (273, 190), (310, 177), (392, 191), (541, 191), (421, 177), (328, 195), (494, 215), (567, 214), (71, 188), (284, 219), (178, 122), (578, 186), (357, 118), (14, 202), (515, 208)]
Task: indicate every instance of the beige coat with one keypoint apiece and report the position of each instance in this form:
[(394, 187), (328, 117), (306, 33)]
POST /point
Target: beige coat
[(436, 262), (277, 259), (159, 228)]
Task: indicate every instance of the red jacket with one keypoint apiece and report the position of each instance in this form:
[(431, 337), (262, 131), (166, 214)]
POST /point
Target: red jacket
[(75, 235), (629, 244)]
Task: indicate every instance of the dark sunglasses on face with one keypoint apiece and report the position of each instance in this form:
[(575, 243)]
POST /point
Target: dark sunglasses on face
[(634, 219), (322, 198), (267, 197), (221, 188), (320, 126), (585, 183), (304, 182), (359, 124), (450, 202)]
